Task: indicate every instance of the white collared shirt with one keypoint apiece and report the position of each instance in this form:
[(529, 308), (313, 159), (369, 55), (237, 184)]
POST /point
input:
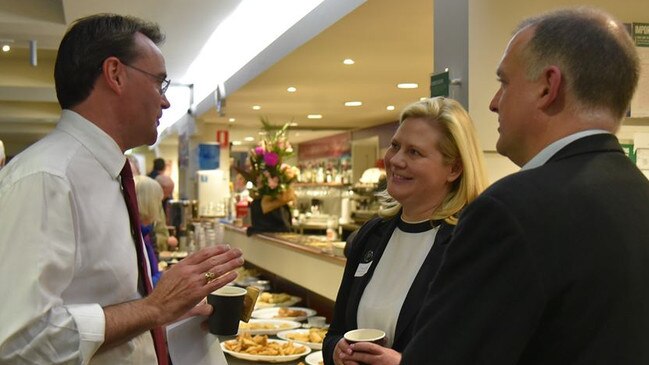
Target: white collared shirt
[(542, 157), (66, 250)]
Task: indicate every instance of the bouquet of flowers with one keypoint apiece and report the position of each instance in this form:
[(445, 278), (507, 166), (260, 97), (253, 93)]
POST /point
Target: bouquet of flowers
[(271, 177)]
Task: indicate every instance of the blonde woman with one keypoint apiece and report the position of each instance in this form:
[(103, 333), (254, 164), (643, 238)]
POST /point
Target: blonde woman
[(434, 169), (149, 197)]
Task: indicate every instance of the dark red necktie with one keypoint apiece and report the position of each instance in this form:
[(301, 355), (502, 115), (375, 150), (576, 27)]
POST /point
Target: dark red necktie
[(128, 187)]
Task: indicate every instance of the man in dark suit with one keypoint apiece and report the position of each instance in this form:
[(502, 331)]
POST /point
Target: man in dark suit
[(550, 265)]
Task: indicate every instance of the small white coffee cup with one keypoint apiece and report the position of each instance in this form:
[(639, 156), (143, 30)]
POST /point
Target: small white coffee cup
[(364, 335)]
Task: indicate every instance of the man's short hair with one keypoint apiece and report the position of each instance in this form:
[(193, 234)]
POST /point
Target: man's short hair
[(594, 51), (87, 44)]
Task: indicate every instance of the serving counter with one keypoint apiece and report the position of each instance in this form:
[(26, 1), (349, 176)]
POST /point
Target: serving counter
[(288, 255)]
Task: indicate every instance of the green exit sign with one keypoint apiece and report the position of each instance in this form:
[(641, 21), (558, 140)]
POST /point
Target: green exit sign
[(439, 84), (629, 151)]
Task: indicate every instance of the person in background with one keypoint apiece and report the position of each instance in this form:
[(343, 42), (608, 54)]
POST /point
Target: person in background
[(550, 265), (68, 253), (149, 194), (159, 166), (240, 189), (135, 166), (164, 241), (167, 184), (434, 169)]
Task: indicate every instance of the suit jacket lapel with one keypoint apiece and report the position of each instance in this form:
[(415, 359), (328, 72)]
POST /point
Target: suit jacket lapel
[(377, 239)]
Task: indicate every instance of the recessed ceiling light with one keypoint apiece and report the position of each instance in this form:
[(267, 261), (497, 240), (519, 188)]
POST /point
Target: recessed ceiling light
[(236, 143), (407, 85), (293, 124), (249, 139), (348, 61), (353, 103), (6, 48), (314, 116), (231, 120), (390, 107), (291, 89), (256, 107)]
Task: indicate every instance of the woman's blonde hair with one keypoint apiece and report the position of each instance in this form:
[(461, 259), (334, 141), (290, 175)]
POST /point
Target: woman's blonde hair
[(149, 198), (458, 143)]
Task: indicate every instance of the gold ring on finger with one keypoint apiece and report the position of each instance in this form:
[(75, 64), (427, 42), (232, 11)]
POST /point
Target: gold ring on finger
[(209, 276)]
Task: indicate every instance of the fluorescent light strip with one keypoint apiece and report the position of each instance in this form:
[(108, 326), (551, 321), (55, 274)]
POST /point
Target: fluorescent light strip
[(235, 38), (407, 85), (353, 103)]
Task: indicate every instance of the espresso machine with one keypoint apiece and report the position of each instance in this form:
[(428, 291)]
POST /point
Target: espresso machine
[(366, 205)]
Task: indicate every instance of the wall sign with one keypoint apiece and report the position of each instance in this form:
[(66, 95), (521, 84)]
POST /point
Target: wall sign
[(440, 84), (327, 147)]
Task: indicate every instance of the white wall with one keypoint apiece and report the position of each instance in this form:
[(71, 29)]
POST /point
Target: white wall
[(490, 25)]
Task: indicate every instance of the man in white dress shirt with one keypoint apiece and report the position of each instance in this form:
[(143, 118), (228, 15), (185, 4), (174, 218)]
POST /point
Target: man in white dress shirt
[(68, 264)]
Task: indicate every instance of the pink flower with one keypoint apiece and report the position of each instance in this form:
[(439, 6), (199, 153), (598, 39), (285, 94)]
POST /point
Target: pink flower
[(259, 150), (271, 159)]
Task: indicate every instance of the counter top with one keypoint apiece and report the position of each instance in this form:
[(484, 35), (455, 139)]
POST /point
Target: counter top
[(298, 258)]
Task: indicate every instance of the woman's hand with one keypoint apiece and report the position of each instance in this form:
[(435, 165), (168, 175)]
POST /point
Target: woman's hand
[(370, 354), (342, 350)]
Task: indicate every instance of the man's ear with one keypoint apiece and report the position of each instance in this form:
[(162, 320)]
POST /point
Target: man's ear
[(550, 83), (112, 73)]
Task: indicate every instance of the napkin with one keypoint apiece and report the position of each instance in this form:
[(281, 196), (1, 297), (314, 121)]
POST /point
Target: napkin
[(189, 344)]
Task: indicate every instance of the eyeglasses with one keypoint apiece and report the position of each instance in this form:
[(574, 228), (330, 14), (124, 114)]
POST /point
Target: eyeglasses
[(164, 83)]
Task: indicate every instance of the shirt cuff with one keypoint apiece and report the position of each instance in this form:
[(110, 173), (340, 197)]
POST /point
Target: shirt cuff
[(91, 324)]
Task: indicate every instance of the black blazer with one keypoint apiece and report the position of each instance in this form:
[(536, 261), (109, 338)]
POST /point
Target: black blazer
[(368, 246), (548, 266)]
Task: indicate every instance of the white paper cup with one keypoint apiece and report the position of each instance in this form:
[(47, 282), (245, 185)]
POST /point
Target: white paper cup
[(364, 335)]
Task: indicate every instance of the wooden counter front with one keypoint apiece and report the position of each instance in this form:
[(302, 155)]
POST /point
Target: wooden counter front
[(305, 266)]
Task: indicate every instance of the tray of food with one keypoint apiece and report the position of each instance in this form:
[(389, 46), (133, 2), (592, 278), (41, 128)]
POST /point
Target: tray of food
[(260, 348), (267, 326), (311, 337), (267, 299), (290, 313)]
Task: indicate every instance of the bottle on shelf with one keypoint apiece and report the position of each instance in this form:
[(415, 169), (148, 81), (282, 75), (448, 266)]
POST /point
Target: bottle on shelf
[(320, 174)]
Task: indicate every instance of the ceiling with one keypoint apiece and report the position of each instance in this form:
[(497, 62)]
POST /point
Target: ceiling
[(390, 42)]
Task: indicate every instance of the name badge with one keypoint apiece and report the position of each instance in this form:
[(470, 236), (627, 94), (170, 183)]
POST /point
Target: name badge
[(362, 269)]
